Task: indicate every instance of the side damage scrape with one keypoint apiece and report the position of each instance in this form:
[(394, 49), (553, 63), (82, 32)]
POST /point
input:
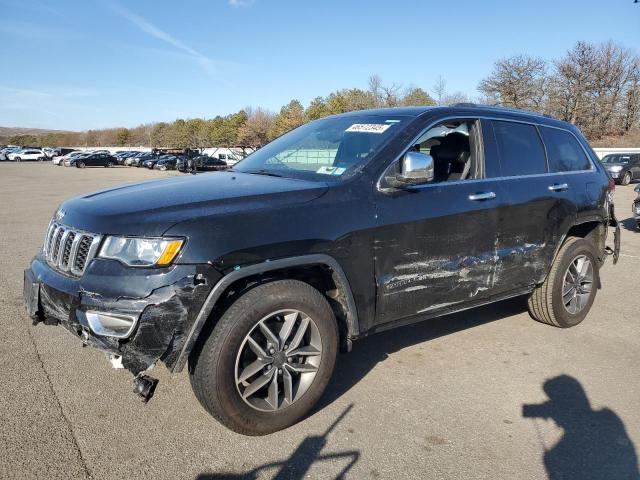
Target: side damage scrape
[(316, 259)]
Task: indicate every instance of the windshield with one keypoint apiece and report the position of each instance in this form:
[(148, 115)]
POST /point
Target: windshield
[(326, 149), (616, 159)]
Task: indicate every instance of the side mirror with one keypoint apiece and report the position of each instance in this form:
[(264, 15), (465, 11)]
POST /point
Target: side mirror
[(415, 168)]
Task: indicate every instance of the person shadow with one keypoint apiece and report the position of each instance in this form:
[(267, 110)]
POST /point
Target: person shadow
[(595, 444)]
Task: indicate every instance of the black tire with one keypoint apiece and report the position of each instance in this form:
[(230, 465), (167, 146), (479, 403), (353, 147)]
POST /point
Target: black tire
[(80, 164), (212, 366), (545, 302), (109, 164), (18, 159), (41, 159)]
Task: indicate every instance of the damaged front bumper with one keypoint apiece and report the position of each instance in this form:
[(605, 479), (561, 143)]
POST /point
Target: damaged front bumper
[(138, 315)]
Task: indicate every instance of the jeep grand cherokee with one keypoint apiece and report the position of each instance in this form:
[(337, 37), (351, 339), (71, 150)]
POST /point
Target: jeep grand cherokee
[(346, 226)]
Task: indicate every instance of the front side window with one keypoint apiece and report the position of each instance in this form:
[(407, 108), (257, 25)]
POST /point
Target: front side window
[(563, 151), (327, 149), (454, 147), (519, 148)]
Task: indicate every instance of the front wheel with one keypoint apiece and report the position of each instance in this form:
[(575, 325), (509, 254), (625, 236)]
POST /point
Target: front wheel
[(18, 159), (626, 180), (566, 296), (269, 358), (80, 164)]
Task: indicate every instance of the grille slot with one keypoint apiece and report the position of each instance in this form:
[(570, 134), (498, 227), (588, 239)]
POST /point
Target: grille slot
[(69, 250)]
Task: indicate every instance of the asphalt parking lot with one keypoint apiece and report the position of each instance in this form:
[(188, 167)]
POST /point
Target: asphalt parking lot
[(442, 399)]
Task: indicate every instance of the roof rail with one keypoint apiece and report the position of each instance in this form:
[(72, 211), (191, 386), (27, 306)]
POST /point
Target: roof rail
[(502, 108), (464, 104)]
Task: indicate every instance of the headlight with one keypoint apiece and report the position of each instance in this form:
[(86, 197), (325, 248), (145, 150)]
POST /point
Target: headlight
[(615, 168), (141, 252)]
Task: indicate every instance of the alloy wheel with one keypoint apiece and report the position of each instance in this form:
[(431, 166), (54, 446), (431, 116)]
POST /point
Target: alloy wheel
[(278, 360), (577, 284)]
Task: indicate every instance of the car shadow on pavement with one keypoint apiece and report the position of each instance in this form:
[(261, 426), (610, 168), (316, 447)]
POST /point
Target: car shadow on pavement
[(595, 444), (369, 351), (300, 461)]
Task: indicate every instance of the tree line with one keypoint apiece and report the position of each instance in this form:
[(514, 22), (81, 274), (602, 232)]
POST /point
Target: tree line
[(595, 86)]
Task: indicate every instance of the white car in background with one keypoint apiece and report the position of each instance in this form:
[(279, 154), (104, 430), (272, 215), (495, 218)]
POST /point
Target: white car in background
[(59, 160), (27, 154)]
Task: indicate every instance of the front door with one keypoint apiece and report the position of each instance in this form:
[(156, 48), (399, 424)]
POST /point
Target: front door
[(435, 244)]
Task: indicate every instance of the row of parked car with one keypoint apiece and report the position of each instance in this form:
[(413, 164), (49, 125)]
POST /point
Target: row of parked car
[(150, 160), (158, 160)]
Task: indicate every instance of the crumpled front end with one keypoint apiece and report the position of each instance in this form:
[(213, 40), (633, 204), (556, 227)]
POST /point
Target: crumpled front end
[(138, 316)]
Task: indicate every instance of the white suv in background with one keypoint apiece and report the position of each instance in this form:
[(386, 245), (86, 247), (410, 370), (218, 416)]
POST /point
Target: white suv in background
[(27, 154)]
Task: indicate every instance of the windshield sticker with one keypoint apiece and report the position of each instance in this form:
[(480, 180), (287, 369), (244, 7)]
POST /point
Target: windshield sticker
[(368, 127), (392, 121), (331, 170)]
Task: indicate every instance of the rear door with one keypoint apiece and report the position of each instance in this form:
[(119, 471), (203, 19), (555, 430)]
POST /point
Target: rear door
[(538, 205)]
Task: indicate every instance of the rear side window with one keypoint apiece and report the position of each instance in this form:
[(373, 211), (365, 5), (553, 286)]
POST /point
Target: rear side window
[(519, 148), (564, 151)]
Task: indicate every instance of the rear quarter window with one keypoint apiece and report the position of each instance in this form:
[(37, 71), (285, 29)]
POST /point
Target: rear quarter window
[(563, 151), (520, 149)]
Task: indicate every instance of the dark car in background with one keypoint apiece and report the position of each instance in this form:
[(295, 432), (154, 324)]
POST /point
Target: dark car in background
[(622, 167), (166, 162), (136, 160), (122, 158), (150, 162), (95, 160), (201, 163)]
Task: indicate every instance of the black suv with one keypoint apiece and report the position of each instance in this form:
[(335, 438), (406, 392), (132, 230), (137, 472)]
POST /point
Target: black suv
[(344, 227), (96, 159), (622, 167)]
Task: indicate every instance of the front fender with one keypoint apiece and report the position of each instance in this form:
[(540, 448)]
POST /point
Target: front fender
[(261, 268)]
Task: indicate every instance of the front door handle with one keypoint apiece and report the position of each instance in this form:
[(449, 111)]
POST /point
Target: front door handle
[(558, 187), (482, 196)]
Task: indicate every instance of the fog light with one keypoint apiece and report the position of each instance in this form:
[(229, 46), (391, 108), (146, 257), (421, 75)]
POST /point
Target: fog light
[(111, 325)]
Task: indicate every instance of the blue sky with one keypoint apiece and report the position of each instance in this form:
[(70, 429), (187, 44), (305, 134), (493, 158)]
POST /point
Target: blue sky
[(91, 64)]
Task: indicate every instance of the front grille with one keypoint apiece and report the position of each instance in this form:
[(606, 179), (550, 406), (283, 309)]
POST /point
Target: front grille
[(69, 250)]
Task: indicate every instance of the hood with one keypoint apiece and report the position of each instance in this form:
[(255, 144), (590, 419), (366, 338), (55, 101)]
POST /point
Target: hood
[(150, 208)]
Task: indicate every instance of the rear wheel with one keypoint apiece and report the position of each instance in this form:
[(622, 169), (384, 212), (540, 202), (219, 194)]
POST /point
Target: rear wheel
[(18, 159), (626, 180), (566, 296), (109, 164), (80, 164), (268, 359)]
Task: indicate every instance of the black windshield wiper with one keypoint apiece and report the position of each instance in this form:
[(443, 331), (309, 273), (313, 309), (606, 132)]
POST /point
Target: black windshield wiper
[(264, 172)]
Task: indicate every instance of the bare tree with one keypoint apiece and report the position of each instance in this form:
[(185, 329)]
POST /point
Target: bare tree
[(596, 87), (439, 89), (518, 82)]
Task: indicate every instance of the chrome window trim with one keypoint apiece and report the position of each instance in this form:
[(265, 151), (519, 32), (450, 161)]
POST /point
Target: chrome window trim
[(470, 117)]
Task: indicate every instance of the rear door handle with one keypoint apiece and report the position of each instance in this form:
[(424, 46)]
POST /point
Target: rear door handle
[(482, 196), (558, 187)]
